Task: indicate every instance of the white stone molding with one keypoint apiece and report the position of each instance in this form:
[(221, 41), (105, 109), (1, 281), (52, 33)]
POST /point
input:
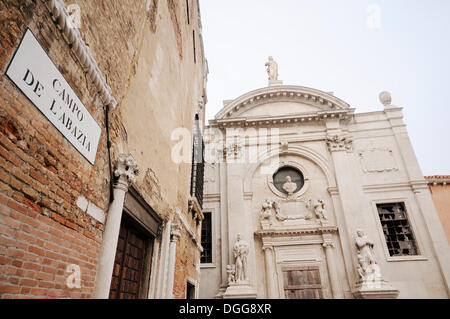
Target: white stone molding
[(337, 143), (83, 53), (281, 120), (296, 231)]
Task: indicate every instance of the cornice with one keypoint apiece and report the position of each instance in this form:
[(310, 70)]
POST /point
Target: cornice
[(297, 231), (438, 179), (283, 119), (73, 38), (401, 186)]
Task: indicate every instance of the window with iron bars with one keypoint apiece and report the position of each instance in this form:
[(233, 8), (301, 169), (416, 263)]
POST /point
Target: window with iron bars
[(397, 230), (198, 165)]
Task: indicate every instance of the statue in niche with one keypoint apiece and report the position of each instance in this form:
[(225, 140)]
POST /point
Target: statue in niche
[(319, 209), (240, 251), (289, 186), (272, 69), (367, 267)]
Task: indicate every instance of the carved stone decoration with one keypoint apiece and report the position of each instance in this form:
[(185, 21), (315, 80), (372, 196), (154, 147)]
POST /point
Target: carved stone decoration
[(267, 210), (175, 231), (319, 209), (339, 143), (232, 151), (385, 99), (240, 252), (272, 208), (231, 271), (289, 186), (126, 170), (367, 267), (377, 160), (371, 283), (239, 286), (272, 69)]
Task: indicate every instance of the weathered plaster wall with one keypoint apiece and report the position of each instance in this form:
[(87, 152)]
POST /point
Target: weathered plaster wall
[(145, 49)]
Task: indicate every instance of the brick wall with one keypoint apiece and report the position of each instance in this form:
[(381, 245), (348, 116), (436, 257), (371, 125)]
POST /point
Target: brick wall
[(42, 230), (35, 252), (185, 259), (42, 175)]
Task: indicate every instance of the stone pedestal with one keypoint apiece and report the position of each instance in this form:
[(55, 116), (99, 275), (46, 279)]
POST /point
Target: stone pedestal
[(378, 289), (275, 82), (240, 291)]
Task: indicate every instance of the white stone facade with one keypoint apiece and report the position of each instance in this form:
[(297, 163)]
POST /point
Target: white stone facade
[(350, 163)]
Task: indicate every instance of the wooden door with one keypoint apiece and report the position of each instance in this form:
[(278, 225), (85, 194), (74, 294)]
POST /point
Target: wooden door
[(302, 283), (128, 266)]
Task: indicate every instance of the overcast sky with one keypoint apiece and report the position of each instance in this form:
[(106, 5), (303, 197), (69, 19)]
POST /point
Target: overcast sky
[(354, 48)]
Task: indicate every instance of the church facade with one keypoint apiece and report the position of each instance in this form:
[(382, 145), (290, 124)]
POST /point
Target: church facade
[(306, 198)]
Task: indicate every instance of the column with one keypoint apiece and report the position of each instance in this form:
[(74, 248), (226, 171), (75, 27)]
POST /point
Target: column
[(125, 173), (332, 272), (174, 236), (271, 278)]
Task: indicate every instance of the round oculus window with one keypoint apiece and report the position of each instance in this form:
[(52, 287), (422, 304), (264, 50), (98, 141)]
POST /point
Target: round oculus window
[(288, 180)]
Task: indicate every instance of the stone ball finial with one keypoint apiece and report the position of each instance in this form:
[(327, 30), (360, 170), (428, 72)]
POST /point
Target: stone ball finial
[(385, 98)]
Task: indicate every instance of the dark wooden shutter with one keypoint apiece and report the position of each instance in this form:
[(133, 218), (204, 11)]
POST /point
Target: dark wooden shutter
[(302, 283)]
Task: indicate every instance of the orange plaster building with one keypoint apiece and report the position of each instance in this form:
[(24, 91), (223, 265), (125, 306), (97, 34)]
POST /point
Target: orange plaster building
[(440, 191)]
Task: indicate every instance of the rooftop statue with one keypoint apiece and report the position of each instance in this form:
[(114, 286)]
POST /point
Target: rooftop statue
[(272, 69)]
